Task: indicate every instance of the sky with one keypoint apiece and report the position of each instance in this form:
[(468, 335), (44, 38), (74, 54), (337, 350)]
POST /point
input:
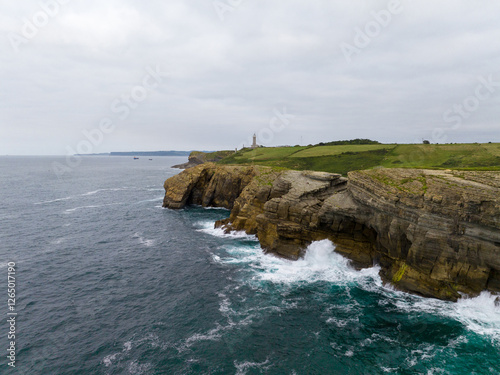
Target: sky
[(87, 76)]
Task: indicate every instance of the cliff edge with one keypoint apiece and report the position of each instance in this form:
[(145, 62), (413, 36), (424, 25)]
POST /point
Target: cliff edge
[(198, 157), (434, 233)]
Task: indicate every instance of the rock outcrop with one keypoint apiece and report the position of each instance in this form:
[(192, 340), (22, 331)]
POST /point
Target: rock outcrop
[(207, 185), (198, 157), (435, 233)]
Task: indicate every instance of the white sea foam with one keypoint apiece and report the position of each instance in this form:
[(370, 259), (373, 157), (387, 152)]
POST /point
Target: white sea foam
[(249, 255), (341, 323), (435, 371), (208, 227), (242, 317), (235, 320), (58, 241), (93, 192), (151, 200), (55, 200), (453, 343), (212, 335), (388, 369), (147, 243), (90, 206), (142, 240), (101, 190), (378, 337), (216, 208), (320, 263), (151, 338), (225, 304), (479, 314), (136, 368), (109, 359), (243, 367), (82, 207)]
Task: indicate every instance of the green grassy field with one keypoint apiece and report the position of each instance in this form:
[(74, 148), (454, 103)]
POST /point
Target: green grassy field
[(211, 156), (345, 158), (336, 150)]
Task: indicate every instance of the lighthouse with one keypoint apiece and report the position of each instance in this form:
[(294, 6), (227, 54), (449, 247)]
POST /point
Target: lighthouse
[(254, 144)]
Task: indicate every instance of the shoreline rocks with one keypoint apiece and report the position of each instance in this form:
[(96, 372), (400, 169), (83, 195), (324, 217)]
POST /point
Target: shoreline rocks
[(434, 233)]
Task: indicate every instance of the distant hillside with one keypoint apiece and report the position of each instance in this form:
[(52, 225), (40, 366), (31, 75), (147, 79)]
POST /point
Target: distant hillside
[(356, 141), (151, 153), (343, 158)]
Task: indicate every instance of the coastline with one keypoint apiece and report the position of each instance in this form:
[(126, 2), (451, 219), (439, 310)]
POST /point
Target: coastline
[(433, 233)]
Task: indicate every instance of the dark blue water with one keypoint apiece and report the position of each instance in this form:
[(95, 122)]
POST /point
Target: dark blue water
[(108, 282)]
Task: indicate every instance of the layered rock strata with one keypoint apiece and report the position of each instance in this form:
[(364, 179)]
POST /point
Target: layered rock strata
[(435, 233)]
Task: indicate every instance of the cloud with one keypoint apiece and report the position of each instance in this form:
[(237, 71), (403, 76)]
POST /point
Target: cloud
[(226, 78)]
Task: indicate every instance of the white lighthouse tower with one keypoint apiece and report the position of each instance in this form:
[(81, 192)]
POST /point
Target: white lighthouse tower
[(254, 144)]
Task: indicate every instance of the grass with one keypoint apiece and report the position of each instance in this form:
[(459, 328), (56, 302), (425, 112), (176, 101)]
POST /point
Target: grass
[(263, 154), (337, 150), (212, 156), (457, 156), (412, 185), (345, 158)]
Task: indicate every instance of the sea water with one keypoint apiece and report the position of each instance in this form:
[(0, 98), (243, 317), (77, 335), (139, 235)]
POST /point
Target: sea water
[(108, 282)]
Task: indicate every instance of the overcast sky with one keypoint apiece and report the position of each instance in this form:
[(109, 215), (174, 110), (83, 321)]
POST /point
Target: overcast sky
[(292, 71)]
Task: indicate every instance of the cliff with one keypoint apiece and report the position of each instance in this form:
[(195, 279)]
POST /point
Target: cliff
[(435, 233), (198, 157)]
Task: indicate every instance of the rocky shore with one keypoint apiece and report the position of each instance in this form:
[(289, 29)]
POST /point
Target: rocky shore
[(434, 233)]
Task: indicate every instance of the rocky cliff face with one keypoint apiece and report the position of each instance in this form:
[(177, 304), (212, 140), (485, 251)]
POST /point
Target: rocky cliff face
[(435, 233), (193, 161), (207, 185)]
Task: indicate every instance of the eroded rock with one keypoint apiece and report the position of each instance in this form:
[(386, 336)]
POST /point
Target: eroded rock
[(435, 233)]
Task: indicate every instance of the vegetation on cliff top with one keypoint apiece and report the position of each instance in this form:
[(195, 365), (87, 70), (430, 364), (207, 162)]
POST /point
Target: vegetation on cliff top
[(356, 141), (342, 158), (211, 156)]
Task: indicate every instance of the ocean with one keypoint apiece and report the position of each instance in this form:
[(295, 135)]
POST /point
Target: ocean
[(109, 282)]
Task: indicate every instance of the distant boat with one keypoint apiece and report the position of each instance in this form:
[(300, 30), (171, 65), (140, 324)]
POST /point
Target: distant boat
[(150, 159), (135, 158)]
